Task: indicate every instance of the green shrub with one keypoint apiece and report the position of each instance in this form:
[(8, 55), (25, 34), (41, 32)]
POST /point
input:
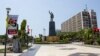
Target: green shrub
[(37, 40), (66, 40), (90, 41), (98, 40)]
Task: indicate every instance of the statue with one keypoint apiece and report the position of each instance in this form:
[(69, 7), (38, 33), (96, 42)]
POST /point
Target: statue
[(51, 15), (52, 37), (52, 31)]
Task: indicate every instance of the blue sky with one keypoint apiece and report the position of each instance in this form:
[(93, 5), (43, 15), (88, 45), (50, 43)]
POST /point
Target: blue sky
[(36, 12)]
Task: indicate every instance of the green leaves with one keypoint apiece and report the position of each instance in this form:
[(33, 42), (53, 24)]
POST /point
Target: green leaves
[(23, 25)]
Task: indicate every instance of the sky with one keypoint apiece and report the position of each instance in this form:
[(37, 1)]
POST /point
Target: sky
[(36, 12)]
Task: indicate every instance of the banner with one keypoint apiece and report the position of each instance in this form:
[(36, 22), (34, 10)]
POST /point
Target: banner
[(12, 26)]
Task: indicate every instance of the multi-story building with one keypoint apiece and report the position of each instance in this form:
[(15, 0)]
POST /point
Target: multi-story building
[(82, 20)]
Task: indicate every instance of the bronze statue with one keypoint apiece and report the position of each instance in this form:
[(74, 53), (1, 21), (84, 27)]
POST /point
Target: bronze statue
[(51, 15)]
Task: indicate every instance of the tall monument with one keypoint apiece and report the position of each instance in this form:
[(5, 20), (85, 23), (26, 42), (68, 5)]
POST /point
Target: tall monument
[(52, 31)]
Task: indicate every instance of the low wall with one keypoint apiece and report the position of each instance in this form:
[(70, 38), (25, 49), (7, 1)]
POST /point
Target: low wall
[(52, 39)]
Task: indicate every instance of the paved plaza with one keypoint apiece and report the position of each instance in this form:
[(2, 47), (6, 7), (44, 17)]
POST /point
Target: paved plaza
[(67, 50), (73, 49), (62, 50)]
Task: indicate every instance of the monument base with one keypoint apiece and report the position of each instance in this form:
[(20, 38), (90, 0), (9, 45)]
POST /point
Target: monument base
[(52, 39)]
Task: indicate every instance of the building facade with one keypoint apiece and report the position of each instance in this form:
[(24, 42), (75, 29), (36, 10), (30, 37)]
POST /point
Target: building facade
[(82, 20)]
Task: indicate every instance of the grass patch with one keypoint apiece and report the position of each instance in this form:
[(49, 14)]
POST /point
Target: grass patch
[(25, 47), (3, 50)]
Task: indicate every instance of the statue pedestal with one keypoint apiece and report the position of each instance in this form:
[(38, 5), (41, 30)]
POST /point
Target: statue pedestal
[(52, 31), (52, 39)]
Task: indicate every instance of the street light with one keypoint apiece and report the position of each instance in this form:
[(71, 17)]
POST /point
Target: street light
[(28, 31), (44, 31), (8, 10)]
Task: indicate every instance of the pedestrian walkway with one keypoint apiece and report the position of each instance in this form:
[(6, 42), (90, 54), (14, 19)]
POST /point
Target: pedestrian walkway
[(2, 46), (10, 54)]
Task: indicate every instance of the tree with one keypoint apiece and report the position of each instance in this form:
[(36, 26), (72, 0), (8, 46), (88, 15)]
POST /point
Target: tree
[(65, 37), (88, 36), (23, 31), (40, 35), (23, 28), (21, 37), (23, 24)]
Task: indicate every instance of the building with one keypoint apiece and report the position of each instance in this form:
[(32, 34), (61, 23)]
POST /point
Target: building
[(82, 20)]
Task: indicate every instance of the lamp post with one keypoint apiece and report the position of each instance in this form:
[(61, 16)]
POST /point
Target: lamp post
[(31, 37), (43, 38), (8, 10), (31, 32), (44, 31), (27, 34)]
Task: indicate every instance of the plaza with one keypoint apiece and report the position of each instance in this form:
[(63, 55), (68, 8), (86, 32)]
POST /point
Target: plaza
[(49, 28), (73, 49)]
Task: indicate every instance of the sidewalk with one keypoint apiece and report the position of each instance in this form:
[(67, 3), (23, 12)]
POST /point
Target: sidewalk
[(8, 54), (11, 54), (1, 46)]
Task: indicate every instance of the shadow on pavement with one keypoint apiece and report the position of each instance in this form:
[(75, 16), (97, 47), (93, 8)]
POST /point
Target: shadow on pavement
[(67, 48), (60, 46), (31, 49), (84, 54)]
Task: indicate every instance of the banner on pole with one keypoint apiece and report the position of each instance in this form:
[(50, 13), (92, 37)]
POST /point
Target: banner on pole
[(12, 28)]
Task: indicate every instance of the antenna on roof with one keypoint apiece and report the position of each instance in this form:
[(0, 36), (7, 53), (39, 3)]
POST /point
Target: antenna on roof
[(86, 7)]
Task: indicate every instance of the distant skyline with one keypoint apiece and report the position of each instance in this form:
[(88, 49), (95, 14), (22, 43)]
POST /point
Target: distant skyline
[(36, 12)]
